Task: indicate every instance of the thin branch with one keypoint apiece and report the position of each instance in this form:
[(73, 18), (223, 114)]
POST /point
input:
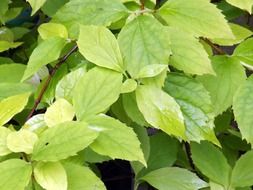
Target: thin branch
[(142, 4), (188, 152), (216, 48), (52, 73)]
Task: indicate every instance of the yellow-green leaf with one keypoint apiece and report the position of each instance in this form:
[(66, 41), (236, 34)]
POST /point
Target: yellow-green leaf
[(48, 30), (4, 132)]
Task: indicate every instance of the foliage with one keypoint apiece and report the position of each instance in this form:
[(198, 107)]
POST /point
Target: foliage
[(84, 81)]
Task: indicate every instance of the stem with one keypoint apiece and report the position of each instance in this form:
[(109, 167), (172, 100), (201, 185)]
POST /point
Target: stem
[(52, 73), (216, 48), (188, 152), (142, 4)]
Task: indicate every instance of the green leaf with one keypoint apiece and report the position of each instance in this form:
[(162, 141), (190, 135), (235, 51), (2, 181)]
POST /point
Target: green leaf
[(160, 110), (129, 86), (211, 162), (132, 110), (52, 6), (65, 87), (36, 5), (139, 49), (98, 45), (116, 140), (4, 4), (60, 111), (190, 17), (188, 54), (4, 132), (239, 32), (89, 12), (152, 70), (11, 73), (96, 91), (222, 87), (6, 34), (174, 178), (195, 104), (62, 141), (242, 106), (21, 141), (51, 175), (46, 52), (242, 175), (5, 45), (80, 177), (11, 106), (243, 52), (15, 174), (48, 30), (242, 4), (36, 124)]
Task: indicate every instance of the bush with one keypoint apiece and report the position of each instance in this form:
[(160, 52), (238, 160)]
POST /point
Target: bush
[(151, 82)]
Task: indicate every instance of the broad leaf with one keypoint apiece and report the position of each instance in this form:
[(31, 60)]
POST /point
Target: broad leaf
[(139, 49), (21, 141), (243, 52), (160, 110), (80, 177), (242, 4), (46, 52), (5, 45), (11, 73), (211, 162), (190, 17), (51, 175), (98, 45), (195, 104), (36, 4), (242, 175), (3, 9), (222, 87), (62, 141), (116, 140), (11, 106), (174, 178), (96, 91), (128, 86), (88, 12), (188, 54), (242, 106), (4, 132), (48, 30), (60, 111), (15, 174)]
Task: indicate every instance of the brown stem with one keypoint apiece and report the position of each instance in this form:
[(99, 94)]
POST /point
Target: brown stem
[(52, 73), (216, 48), (142, 4)]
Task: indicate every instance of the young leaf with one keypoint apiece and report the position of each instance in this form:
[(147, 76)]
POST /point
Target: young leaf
[(48, 30), (152, 70), (128, 86), (174, 178), (96, 91), (36, 124), (11, 73), (15, 174), (116, 140), (80, 177), (188, 54), (222, 87), (4, 132), (22, 141), (89, 12), (211, 162), (62, 141), (243, 52), (36, 5), (46, 52), (242, 106), (139, 49), (239, 32), (98, 45), (195, 104), (5, 45), (65, 87), (11, 106), (60, 111), (51, 175), (242, 4), (242, 175), (160, 110), (190, 17)]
